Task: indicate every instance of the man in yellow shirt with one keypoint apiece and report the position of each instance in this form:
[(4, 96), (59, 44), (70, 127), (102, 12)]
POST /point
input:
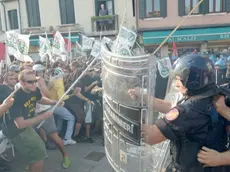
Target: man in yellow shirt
[(57, 90)]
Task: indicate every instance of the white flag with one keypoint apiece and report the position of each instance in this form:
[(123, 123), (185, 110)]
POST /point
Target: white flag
[(107, 41), (87, 43), (11, 42), (45, 47), (79, 49), (164, 66), (124, 50), (127, 36), (59, 45), (23, 48), (96, 51)]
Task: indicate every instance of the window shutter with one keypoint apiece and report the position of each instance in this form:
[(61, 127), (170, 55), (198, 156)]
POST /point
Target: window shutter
[(142, 9), (70, 12), (29, 12), (33, 13), (14, 19), (204, 7), (63, 15), (36, 13), (163, 7), (227, 5), (181, 7)]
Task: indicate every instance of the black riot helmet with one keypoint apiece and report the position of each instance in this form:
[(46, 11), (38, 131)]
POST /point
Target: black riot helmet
[(196, 72)]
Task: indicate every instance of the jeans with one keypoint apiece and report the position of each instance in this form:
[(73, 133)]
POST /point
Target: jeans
[(64, 114)]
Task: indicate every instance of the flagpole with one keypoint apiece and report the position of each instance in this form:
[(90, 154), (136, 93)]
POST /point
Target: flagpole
[(70, 46), (47, 56), (177, 27)]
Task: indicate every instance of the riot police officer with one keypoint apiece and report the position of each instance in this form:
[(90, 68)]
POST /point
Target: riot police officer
[(194, 122), (211, 157)]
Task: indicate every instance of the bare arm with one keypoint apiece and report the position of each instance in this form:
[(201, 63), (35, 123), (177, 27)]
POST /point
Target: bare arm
[(3, 109), (88, 88), (162, 106), (21, 123), (46, 101), (79, 95), (45, 91), (153, 134)]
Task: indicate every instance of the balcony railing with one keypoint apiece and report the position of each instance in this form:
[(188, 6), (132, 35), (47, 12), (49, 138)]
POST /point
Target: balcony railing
[(104, 23)]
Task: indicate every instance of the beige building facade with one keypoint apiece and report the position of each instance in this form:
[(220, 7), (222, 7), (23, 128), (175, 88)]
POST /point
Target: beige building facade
[(81, 16), (207, 29)]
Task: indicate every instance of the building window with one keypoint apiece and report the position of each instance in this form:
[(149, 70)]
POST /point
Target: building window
[(33, 13), (13, 19), (189, 5), (216, 6), (67, 11), (153, 8), (108, 4)]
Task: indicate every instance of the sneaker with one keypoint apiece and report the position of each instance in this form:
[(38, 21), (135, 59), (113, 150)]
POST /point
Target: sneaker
[(87, 140), (66, 162), (78, 138), (69, 142)]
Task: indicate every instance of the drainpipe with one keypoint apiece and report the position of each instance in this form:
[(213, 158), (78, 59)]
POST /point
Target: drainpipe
[(136, 13), (4, 9), (19, 16)]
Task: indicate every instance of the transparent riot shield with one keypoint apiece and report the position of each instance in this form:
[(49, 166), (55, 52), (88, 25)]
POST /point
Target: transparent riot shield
[(124, 117)]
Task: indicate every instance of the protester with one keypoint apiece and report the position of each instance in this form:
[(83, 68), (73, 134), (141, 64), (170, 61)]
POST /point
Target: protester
[(20, 119), (49, 127), (56, 87)]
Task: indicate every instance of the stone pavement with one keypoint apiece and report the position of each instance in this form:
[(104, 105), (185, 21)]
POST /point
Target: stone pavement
[(77, 154)]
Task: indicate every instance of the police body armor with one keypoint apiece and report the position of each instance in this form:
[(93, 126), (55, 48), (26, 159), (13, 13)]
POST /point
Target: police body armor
[(184, 151), (124, 142)]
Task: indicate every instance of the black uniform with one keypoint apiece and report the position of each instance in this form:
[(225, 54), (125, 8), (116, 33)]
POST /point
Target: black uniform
[(197, 125), (194, 122)]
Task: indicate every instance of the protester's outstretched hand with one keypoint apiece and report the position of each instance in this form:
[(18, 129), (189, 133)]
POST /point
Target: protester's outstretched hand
[(134, 93), (209, 157), (9, 101)]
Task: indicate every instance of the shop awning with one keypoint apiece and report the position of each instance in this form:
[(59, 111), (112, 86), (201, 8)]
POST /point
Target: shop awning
[(34, 40), (187, 35)]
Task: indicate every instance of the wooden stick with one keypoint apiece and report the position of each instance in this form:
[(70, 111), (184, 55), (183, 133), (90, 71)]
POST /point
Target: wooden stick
[(182, 21)]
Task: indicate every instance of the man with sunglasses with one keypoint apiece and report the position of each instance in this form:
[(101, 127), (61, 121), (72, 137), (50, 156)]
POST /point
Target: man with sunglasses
[(21, 118)]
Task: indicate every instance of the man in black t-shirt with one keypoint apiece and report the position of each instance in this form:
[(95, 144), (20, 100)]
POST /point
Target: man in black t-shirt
[(21, 118)]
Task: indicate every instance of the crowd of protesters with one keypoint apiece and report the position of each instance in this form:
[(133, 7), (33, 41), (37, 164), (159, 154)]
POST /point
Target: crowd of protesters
[(31, 90)]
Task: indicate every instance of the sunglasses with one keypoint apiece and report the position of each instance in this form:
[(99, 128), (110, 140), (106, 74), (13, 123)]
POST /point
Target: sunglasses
[(31, 81)]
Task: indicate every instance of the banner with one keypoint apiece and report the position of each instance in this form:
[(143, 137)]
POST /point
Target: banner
[(59, 45), (96, 51), (127, 36), (108, 41), (45, 48), (11, 42), (87, 43), (164, 66), (124, 50), (23, 48), (79, 49), (2, 51)]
